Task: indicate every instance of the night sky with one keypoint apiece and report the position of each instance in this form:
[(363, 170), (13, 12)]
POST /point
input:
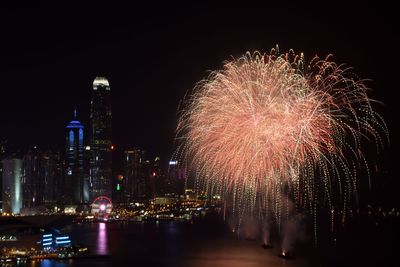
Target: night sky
[(154, 54)]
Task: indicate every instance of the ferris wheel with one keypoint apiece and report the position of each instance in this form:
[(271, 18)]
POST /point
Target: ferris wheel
[(101, 205)]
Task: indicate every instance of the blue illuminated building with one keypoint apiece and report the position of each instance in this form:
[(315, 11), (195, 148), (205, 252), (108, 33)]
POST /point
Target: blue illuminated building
[(74, 182), (51, 241), (47, 240)]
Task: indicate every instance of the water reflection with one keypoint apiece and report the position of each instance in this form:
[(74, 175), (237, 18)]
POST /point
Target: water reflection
[(44, 263), (167, 244), (53, 263), (102, 247)]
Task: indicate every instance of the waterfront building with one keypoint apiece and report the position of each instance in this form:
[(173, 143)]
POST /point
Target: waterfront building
[(134, 182), (74, 176), (100, 143)]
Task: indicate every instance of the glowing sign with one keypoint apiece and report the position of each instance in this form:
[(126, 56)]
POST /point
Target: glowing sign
[(63, 242), (173, 162)]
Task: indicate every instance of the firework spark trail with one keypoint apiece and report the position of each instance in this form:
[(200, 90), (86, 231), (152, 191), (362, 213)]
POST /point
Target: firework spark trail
[(265, 125)]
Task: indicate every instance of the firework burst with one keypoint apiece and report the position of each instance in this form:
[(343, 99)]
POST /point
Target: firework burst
[(269, 127)]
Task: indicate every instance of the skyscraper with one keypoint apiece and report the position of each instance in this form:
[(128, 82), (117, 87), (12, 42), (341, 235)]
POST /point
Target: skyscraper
[(100, 143), (31, 180), (74, 177), (156, 182), (52, 173), (176, 177), (12, 187), (42, 177), (135, 175)]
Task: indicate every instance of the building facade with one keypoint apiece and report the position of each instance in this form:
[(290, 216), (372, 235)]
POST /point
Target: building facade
[(32, 183), (12, 185), (74, 176), (42, 178), (176, 177), (100, 143), (52, 176), (135, 174)]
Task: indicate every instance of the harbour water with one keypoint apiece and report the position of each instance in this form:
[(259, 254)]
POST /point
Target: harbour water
[(208, 242), (204, 243)]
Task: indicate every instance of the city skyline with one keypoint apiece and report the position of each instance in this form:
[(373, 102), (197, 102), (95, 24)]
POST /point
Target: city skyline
[(152, 60), (84, 171), (202, 133)]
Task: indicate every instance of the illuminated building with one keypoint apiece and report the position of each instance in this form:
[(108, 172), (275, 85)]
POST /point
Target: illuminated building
[(32, 188), (51, 176), (100, 143), (12, 187), (86, 175), (119, 189), (53, 241), (176, 177), (156, 181), (74, 176), (134, 182), (42, 178)]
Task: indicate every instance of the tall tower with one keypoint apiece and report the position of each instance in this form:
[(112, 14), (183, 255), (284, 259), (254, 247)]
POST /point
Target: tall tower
[(135, 176), (100, 143), (73, 185), (32, 188)]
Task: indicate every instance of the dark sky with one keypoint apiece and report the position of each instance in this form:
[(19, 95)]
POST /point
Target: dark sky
[(153, 54)]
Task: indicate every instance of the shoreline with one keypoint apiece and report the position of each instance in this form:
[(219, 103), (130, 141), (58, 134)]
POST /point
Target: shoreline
[(26, 259)]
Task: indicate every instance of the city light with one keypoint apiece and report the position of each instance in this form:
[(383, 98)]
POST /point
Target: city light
[(102, 207), (101, 81), (63, 242), (225, 157)]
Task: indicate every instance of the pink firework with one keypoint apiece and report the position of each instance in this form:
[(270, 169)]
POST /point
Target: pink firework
[(268, 125)]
